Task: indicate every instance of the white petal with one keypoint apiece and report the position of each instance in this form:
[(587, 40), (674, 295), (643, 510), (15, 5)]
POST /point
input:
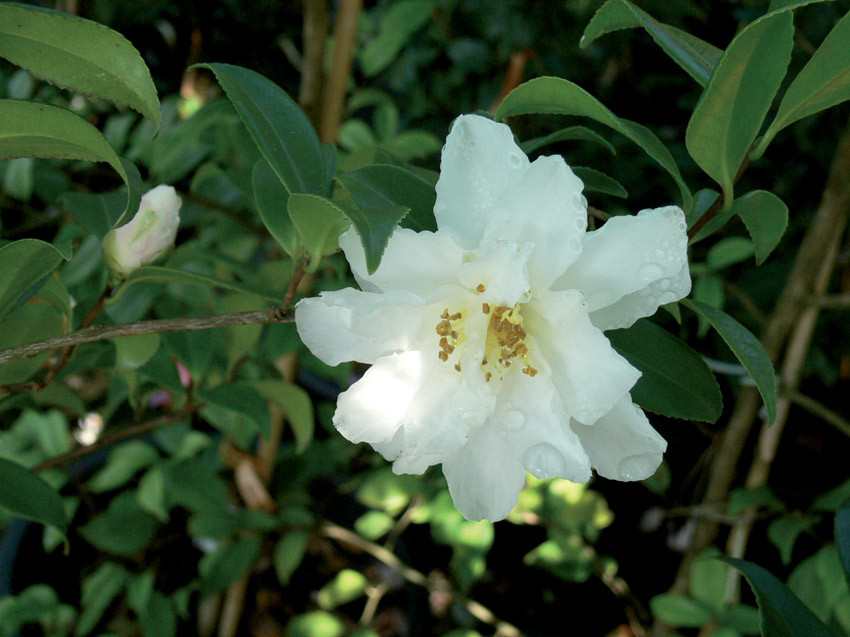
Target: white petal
[(374, 407), (589, 375), (419, 262), (484, 478), (628, 255), (622, 445), (544, 207), (350, 325), (501, 267), (479, 161), (531, 419)]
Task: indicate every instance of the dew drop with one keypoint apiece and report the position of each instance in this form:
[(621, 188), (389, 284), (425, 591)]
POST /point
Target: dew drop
[(575, 245), (581, 223), (650, 271), (659, 252), (513, 420), (515, 160), (544, 461), (579, 202), (682, 226), (666, 297), (635, 467), (664, 284)]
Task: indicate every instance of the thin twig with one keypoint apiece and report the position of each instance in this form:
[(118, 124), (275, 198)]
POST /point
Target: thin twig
[(125, 433), (820, 410), (333, 100), (103, 332), (482, 613), (315, 34), (831, 301)]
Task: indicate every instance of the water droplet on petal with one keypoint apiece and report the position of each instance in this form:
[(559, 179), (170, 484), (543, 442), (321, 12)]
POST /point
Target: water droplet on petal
[(682, 226), (650, 272), (579, 202), (513, 420), (544, 461), (664, 283), (581, 223), (516, 160), (638, 467)]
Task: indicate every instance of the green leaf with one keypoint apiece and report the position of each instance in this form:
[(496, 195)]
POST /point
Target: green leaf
[(823, 82), (842, 539), (131, 352), (347, 586), (151, 493), (783, 533), (373, 525), (99, 590), (288, 554), (578, 133), (374, 227), (278, 126), (26, 495), (160, 274), (124, 529), (24, 268), (600, 182), (679, 611), (295, 404), (782, 612), (28, 129), (241, 402), (271, 196), (386, 491), (733, 105), (220, 569), (124, 462), (402, 20), (31, 322), (194, 485), (766, 217), (315, 624), (158, 618), (696, 57), (727, 252), (98, 213), (708, 581), (78, 54), (384, 186), (676, 381), (747, 349), (319, 222), (558, 96)]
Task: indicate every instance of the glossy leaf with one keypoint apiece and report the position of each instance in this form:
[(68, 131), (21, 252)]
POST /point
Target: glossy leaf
[(288, 554), (319, 222), (24, 267), (374, 227), (595, 181), (271, 196), (278, 126), (782, 612), (697, 57), (295, 404), (733, 105), (558, 96), (676, 381), (384, 186), (570, 133), (78, 54), (823, 82), (241, 401), (229, 563), (747, 349), (766, 217), (28, 129), (26, 495)]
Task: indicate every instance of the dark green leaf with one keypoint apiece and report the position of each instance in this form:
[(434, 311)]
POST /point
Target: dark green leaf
[(679, 611), (823, 82), (24, 268), (319, 222), (782, 612), (99, 590), (98, 213), (26, 495), (220, 569), (696, 57), (766, 217), (374, 227), (733, 105), (783, 533), (295, 404), (747, 349), (278, 126), (271, 196), (559, 96), (288, 554), (384, 186), (676, 381), (78, 54), (241, 402), (195, 486), (124, 462), (599, 182), (842, 539), (401, 20), (578, 133), (125, 528)]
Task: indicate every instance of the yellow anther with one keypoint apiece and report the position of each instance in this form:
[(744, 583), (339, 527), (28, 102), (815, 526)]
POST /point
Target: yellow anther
[(480, 287), (485, 307), (443, 356)]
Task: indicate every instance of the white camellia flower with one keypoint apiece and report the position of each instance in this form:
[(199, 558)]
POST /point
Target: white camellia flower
[(486, 337), (147, 237)]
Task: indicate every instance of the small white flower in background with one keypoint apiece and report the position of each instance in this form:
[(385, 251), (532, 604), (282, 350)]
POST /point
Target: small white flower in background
[(485, 337), (147, 237)]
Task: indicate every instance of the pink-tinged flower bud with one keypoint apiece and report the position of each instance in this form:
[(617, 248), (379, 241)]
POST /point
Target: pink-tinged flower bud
[(147, 237)]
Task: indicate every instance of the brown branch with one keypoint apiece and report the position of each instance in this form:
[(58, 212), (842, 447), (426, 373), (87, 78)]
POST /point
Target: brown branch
[(333, 100), (315, 34), (103, 332), (125, 433), (798, 288), (831, 301), (820, 410)]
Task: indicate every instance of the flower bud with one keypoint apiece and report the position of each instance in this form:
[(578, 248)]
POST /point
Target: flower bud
[(147, 237)]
